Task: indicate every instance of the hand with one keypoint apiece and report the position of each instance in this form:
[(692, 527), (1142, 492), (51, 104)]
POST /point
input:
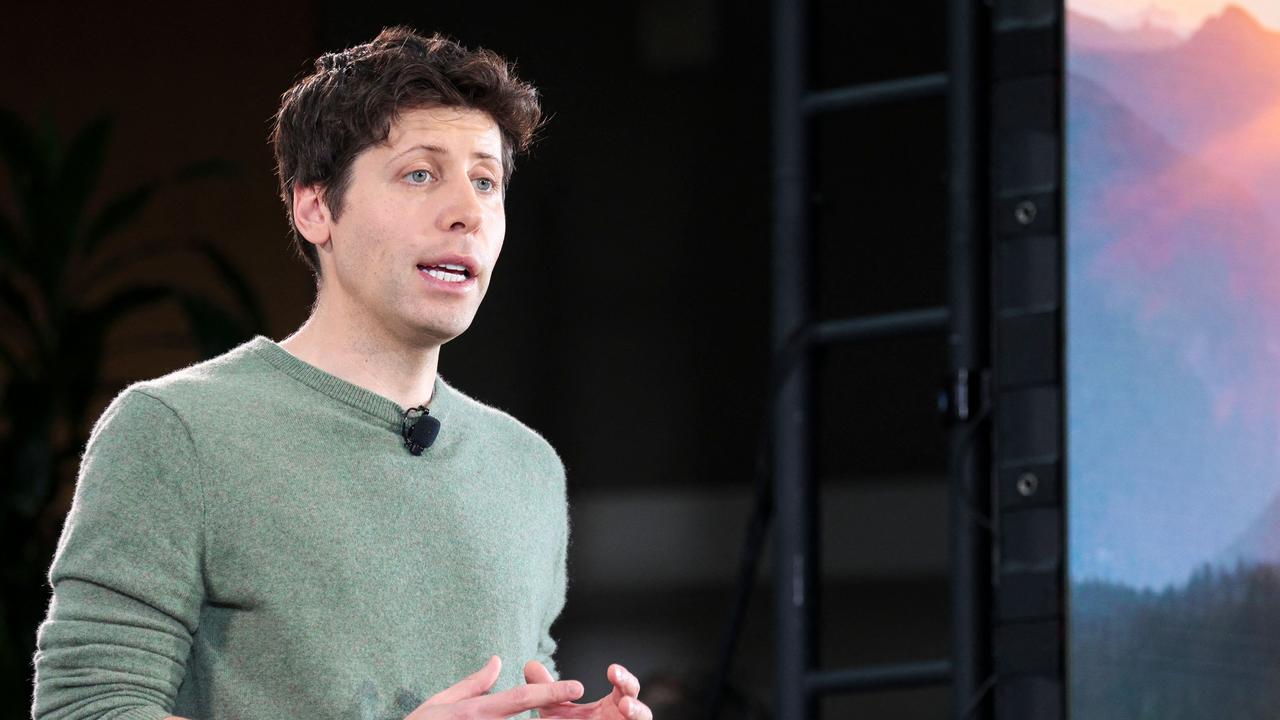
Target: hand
[(467, 700), (621, 704)]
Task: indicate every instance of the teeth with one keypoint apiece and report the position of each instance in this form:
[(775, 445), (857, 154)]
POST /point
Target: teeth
[(446, 276), (459, 268)]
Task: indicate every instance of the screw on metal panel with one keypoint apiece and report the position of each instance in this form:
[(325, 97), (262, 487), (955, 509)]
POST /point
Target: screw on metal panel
[(1025, 212), (1027, 484)]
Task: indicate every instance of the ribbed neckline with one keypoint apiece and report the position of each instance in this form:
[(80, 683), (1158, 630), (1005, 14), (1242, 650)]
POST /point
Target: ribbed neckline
[(379, 407)]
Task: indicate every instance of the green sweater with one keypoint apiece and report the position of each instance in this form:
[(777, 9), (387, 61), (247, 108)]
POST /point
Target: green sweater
[(251, 539)]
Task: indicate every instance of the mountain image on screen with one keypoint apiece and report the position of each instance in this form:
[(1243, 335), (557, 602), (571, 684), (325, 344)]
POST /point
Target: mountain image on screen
[(1173, 367)]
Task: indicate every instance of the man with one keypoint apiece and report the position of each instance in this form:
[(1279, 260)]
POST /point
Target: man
[(269, 534)]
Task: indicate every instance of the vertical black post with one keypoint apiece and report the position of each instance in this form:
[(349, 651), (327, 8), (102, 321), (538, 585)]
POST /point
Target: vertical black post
[(791, 308), (968, 355)]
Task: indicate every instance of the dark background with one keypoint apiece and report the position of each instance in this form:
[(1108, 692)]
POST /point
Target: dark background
[(629, 321)]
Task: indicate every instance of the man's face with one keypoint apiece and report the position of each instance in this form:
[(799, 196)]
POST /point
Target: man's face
[(421, 226)]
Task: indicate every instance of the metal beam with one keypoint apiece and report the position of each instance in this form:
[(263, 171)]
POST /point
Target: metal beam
[(791, 417), (881, 677), (876, 93), (886, 325), (969, 354)]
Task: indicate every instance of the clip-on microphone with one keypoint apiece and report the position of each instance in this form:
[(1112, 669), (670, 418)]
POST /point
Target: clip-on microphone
[(419, 430)]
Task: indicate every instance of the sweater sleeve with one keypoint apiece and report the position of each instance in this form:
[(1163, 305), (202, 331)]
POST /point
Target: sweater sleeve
[(127, 575), (559, 583)]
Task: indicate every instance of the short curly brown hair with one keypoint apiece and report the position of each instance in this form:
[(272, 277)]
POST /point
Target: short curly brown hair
[(351, 100)]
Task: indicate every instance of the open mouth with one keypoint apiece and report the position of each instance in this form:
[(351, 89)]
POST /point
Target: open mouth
[(447, 272)]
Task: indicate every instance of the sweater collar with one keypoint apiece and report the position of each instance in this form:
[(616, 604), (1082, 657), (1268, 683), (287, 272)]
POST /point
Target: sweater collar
[(443, 397)]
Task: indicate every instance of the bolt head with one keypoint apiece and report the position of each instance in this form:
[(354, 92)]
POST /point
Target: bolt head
[(1025, 212)]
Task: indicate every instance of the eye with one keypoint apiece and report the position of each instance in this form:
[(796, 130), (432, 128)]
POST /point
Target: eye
[(485, 185), (419, 177)]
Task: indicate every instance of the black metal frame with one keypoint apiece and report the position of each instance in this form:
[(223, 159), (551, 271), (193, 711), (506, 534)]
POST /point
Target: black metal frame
[(970, 354), (1028, 131), (796, 336)]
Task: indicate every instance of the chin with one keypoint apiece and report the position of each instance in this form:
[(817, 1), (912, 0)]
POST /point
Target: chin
[(441, 333)]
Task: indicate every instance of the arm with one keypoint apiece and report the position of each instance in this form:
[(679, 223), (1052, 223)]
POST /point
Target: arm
[(469, 698), (127, 580), (556, 597), (623, 703)]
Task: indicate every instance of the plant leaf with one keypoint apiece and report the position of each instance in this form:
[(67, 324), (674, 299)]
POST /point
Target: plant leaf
[(18, 304), (215, 329), (78, 175), (12, 245), (116, 214), (83, 338), (102, 316), (125, 208), (212, 327), (104, 266), (84, 354), (20, 149), (10, 361), (57, 213), (236, 282)]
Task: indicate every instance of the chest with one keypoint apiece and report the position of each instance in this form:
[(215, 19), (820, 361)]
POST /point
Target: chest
[(374, 526)]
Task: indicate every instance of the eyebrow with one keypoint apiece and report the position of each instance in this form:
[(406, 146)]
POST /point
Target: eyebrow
[(438, 150)]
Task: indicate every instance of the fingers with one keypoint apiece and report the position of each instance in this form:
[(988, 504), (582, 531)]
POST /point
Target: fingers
[(626, 692), (633, 709), (536, 672), (625, 684), (473, 685), (527, 697)]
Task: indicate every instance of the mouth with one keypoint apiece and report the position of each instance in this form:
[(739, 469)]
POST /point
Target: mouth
[(446, 272)]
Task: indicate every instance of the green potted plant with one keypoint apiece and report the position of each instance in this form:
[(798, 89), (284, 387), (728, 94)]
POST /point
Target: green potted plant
[(67, 278)]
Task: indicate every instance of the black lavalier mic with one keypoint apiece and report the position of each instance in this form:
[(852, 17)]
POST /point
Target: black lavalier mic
[(419, 429)]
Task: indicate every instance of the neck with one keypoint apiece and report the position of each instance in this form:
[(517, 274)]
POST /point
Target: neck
[(344, 343)]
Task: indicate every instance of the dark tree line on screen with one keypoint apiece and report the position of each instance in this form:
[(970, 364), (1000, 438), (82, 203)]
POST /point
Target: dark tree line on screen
[(1204, 649)]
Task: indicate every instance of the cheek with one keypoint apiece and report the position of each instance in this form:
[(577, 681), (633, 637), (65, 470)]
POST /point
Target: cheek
[(378, 236), (499, 226), (367, 257), (497, 245)]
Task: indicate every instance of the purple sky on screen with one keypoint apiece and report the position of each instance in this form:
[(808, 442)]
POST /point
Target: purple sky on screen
[(1182, 16), (1173, 322)]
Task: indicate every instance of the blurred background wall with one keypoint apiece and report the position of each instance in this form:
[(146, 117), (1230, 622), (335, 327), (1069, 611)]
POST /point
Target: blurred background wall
[(629, 319)]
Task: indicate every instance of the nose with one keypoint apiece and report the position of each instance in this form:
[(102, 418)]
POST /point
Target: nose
[(461, 211)]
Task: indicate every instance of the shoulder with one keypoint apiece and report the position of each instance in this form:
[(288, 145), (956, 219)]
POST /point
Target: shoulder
[(232, 372), (132, 420), (180, 399), (503, 431)]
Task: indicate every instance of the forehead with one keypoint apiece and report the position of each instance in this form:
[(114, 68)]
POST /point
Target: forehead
[(464, 126)]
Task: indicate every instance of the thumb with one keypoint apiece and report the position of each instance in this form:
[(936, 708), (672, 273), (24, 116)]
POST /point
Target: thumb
[(536, 672), (473, 685)]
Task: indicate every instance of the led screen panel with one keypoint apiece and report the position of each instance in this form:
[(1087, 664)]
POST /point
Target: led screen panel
[(1173, 358)]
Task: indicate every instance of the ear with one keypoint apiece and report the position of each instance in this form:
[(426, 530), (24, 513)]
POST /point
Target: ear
[(310, 214)]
